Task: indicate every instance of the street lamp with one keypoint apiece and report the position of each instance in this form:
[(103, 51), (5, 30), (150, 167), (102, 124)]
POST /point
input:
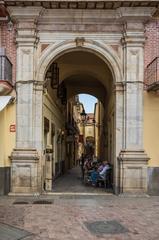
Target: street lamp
[(96, 124), (53, 75), (83, 116)]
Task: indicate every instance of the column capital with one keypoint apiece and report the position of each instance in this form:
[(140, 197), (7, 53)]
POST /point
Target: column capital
[(133, 33), (136, 14), (26, 24), (133, 21), (25, 14)]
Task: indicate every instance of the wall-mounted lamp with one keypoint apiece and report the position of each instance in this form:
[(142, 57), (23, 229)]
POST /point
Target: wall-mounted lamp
[(62, 93), (96, 124), (83, 119), (83, 116), (55, 75), (60, 135), (52, 75)]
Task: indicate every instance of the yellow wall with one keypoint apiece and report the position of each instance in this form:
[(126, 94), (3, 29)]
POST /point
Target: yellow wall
[(7, 138), (151, 127), (53, 111), (89, 130)]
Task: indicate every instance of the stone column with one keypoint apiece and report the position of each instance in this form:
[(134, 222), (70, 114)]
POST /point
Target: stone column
[(133, 159), (119, 112), (25, 176)]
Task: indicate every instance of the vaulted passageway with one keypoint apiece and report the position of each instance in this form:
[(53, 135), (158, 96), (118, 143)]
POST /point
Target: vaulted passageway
[(77, 72)]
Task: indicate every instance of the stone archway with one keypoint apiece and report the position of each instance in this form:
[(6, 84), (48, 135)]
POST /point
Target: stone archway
[(111, 59), (106, 53), (127, 73)]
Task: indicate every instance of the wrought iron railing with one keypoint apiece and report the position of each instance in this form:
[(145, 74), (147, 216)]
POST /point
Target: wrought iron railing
[(5, 69), (152, 75)]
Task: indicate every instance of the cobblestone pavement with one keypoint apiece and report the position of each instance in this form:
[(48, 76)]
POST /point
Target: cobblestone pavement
[(77, 212), (67, 217)]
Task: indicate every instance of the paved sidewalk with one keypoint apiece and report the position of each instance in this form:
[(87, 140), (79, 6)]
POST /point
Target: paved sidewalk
[(87, 217)]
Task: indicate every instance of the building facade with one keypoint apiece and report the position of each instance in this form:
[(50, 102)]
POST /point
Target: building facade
[(104, 48), (7, 100)]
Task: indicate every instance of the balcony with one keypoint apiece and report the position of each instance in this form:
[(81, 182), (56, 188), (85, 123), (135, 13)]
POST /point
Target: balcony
[(152, 75), (5, 69), (5, 73)]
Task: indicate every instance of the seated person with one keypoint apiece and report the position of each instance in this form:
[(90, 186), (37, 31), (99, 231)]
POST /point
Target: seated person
[(94, 176), (100, 167), (103, 172), (99, 172)]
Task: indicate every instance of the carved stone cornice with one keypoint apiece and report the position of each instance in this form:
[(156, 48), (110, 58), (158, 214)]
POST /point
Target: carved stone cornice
[(25, 14), (26, 24), (92, 20), (133, 33), (82, 4), (133, 39), (140, 14), (128, 20), (134, 24), (30, 14)]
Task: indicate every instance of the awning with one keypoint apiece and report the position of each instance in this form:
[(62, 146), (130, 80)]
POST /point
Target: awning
[(4, 100)]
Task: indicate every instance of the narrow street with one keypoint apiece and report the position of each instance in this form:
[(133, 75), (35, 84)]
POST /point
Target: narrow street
[(71, 182)]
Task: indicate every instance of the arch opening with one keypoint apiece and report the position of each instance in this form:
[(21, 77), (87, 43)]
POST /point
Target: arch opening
[(101, 50), (78, 72)]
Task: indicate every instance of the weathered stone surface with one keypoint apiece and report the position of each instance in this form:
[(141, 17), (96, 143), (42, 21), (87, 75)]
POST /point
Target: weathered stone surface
[(133, 171), (24, 172)]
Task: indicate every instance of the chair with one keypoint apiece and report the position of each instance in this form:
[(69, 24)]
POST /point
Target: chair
[(107, 181), (109, 178)]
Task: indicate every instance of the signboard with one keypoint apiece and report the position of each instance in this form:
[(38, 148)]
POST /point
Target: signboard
[(12, 128)]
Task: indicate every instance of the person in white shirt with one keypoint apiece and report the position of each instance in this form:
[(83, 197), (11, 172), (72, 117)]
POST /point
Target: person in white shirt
[(103, 172)]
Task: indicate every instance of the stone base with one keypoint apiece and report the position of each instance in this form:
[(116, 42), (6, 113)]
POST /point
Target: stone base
[(24, 171), (133, 171)]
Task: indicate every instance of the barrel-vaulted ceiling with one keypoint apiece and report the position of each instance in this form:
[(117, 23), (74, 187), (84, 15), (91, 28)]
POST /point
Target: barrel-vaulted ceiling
[(83, 4), (84, 72), (82, 63)]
